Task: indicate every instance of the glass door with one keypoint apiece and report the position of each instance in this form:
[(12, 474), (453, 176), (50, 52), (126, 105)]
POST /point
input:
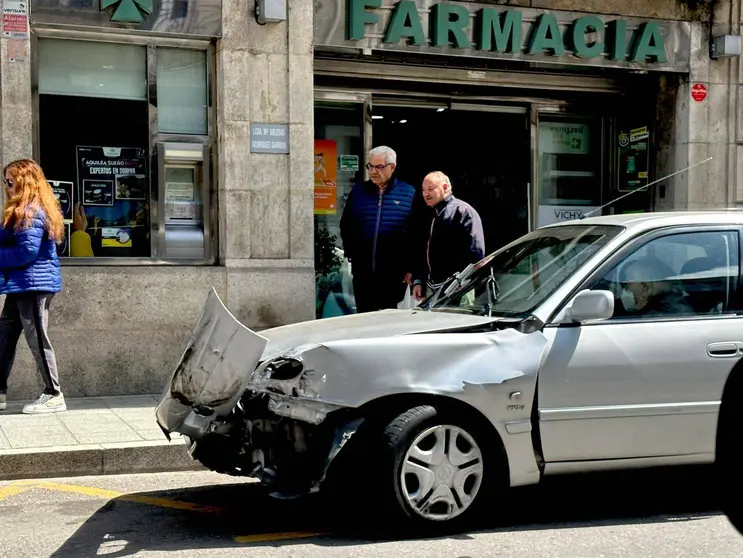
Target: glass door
[(342, 138), (568, 167)]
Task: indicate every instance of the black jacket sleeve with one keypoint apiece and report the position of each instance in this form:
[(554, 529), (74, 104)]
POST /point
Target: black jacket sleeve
[(472, 225)]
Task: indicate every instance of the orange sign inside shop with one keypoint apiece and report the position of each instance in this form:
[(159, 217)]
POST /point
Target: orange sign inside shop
[(326, 177)]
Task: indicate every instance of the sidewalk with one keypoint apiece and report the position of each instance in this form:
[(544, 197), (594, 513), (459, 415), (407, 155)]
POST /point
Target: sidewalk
[(96, 436)]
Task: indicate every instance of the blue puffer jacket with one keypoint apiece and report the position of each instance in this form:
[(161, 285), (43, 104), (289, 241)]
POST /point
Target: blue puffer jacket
[(28, 259), (379, 230)]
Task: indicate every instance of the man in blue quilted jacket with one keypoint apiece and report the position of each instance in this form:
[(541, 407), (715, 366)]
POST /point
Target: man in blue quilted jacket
[(380, 233)]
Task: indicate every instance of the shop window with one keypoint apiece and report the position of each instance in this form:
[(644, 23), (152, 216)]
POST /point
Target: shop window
[(85, 69), (95, 147), (569, 170), (339, 160), (181, 91)]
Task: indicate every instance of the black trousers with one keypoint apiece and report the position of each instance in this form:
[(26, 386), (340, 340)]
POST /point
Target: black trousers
[(28, 313), (378, 292)]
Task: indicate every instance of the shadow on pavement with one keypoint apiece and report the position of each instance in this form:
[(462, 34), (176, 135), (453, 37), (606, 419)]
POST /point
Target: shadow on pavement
[(126, 527)]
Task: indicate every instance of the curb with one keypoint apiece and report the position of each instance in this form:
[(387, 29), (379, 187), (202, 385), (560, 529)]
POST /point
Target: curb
[(97, 459)]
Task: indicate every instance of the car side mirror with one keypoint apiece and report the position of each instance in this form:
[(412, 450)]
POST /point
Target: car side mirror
[(592, 305)]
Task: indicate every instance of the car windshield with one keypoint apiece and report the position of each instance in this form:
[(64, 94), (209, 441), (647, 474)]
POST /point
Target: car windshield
[(515, 280)]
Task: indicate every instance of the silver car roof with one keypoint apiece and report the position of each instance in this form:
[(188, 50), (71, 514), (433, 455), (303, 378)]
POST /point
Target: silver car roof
[(637, 222)]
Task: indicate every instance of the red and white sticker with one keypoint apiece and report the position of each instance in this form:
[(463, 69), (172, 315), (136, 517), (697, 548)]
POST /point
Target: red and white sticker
[(699, 92)]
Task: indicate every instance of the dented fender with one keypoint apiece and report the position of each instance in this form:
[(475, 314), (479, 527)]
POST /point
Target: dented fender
[(494, 372)]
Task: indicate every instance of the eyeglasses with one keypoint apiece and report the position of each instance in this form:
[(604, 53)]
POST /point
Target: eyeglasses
[(379, 168)]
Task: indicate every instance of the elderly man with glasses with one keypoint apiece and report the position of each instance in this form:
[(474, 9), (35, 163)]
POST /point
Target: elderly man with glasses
[(380, 233)]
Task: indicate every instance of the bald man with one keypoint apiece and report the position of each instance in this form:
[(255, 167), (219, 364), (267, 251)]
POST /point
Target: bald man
[(455, 237)]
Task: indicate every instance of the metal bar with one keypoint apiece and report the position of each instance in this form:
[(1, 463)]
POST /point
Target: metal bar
[(490, 78), (615, 200), (132, 262), (152, 121), (114, 35)]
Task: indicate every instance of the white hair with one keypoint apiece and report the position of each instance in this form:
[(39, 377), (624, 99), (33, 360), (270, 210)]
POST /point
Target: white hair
[(390, 157), (438, 177)]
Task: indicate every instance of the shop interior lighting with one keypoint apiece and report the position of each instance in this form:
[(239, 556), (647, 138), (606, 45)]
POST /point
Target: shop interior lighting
[(377, 117)]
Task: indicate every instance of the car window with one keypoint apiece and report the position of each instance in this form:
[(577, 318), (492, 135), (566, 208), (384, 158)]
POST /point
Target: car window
[(515, 280), (686, 274)]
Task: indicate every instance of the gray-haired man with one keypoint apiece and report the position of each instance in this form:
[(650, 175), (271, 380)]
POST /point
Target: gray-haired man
[(378, 229)]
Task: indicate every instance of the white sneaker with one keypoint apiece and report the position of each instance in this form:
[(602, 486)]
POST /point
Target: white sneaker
[(46, 403), (3, 402)]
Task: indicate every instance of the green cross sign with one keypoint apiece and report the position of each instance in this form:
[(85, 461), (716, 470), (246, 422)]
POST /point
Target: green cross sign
[(128, 11)]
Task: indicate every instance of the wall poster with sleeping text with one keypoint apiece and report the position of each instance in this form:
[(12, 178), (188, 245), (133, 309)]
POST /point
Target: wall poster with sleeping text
[(112, 200)]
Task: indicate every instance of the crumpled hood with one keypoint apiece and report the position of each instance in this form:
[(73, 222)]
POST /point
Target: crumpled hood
[(221, 355), (384, 323)]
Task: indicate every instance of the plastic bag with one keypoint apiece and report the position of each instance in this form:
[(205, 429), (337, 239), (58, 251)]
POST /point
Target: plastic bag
[(408, 301)]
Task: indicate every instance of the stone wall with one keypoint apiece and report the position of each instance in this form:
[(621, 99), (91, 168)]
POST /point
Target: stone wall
[(692, 131)]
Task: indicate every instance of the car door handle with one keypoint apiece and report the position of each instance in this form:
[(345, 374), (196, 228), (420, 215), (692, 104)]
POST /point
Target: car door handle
[(725, 349)]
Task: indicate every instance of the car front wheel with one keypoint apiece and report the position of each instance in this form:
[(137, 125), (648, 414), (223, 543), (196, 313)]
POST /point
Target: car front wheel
[(437, 468)]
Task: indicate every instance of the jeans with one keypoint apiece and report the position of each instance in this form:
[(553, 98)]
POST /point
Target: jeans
[(28, 313)]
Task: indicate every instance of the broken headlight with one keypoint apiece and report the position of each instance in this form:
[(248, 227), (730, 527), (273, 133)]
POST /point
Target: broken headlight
[(283, 369)]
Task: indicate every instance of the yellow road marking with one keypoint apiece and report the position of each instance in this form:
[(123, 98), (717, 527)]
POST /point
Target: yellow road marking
[(113, 495), (19, 487), (270, 537), (12, 490)]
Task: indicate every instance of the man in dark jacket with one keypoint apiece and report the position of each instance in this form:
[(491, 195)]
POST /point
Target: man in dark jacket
[(378, 233), (454, 236)]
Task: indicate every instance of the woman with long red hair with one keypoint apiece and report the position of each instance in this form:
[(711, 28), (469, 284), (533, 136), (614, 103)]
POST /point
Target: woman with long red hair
[(30, 277)]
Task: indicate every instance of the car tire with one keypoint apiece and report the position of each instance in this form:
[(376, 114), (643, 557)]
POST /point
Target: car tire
[(436, 469)]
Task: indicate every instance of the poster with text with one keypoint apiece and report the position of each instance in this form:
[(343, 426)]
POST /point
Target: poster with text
[(113, 187), (634, 159), (63, 191), (63, 249), (326, 176), (565, 138)]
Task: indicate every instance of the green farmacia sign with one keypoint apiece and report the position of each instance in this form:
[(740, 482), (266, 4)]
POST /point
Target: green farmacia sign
[(502, 31)]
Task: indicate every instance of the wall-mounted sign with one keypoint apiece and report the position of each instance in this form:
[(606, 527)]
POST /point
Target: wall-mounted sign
[(486, 31), (269, 138), (699, 92), (16, 50), (633, 164), (15, 19), (349, 163)]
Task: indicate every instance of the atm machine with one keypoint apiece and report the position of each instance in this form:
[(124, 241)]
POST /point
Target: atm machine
[(183, 200)]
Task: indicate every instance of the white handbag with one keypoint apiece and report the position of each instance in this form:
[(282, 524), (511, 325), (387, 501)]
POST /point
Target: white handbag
[(408, 301)]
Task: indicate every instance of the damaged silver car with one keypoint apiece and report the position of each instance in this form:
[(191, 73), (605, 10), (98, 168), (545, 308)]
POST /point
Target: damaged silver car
[(605, 343)]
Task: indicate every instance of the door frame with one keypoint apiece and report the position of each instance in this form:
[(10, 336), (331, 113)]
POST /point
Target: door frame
[(566, 111), (351, 97)]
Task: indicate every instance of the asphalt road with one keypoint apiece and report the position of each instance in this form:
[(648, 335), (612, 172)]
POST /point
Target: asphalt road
[(664, 514)]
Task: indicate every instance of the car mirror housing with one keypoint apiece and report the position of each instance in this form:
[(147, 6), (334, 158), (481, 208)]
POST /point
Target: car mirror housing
[(592, 305)]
